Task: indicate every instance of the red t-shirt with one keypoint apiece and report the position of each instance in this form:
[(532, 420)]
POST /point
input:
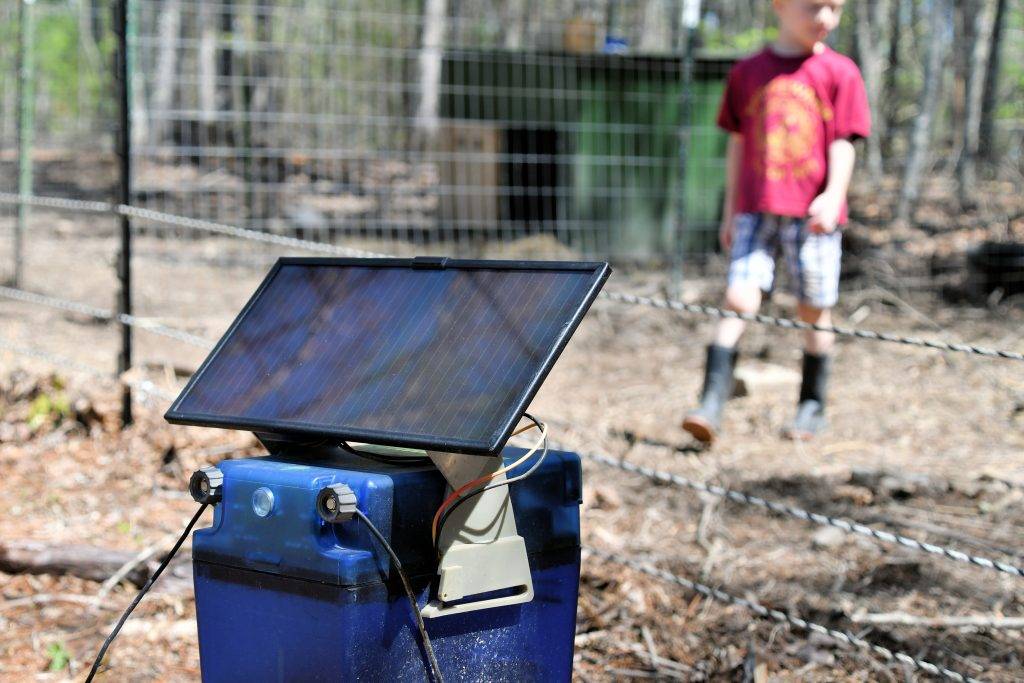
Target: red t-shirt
[(789, 110)]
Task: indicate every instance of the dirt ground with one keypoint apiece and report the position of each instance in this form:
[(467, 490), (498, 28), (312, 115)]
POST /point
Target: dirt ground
[(926, 444)]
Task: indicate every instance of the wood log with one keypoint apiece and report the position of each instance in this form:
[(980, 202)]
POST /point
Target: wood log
[(84, 561)]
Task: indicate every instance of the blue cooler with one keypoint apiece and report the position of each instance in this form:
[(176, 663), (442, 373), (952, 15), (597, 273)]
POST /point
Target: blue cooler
[(288, 597)]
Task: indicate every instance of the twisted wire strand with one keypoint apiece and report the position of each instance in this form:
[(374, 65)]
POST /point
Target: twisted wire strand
[(619, 297), (245, 233), (77, 205), (780, 616), (105, 314), (786, 323), (144, 386), (846, 525)]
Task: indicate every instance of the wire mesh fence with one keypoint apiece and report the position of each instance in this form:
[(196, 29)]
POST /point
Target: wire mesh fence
[(447, 126), (442, 126), (552, 129)]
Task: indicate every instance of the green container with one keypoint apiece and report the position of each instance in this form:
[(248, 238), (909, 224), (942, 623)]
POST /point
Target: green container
[(616, 123)]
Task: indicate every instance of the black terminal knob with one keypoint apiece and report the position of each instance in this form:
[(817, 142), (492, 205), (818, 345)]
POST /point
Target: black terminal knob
[(336, 503), (205, 485)]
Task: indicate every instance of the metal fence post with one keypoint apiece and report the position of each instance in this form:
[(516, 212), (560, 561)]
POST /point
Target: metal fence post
[(122, 26), (26, 128)]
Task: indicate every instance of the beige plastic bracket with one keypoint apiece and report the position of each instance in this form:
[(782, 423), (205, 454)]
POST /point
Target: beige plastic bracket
[(481, 549)]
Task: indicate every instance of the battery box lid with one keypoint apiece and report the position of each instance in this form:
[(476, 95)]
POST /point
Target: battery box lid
[(267, 519)]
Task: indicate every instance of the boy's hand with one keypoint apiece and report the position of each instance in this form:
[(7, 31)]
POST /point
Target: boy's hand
[(725, 234), (823, 214)]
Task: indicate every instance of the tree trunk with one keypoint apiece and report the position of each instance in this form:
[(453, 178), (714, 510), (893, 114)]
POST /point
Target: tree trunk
[(86, 42), (655, 31), (168, 29), (914, 33), (227, 132), (137, 106), (872, 43), (428, 115), (929, 100), (97, 10), (760, 15), (987, 149), (260, 106), (207, 62), (963, 35), (515, 26), (975, 87), (890, 88), (611, 16)]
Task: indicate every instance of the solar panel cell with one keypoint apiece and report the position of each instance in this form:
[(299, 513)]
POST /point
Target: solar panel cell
[(378, 351)]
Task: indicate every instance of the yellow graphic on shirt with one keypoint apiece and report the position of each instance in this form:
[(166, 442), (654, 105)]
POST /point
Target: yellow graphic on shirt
[(787, 117)]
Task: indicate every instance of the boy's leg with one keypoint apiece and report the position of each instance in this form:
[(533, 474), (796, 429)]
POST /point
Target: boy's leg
[(814, 261), (815, 341), (817, 366), (751, 271), (705, 421), (741, 298)]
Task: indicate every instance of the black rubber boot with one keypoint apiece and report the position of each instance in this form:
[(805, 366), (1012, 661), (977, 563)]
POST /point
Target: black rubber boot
[(705, 422), (810, 411)]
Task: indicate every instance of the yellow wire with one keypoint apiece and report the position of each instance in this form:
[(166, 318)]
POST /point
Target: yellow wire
[(520, 461), (525, 428)]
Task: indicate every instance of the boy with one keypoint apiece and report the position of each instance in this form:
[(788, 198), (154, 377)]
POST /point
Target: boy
[(792, 111)]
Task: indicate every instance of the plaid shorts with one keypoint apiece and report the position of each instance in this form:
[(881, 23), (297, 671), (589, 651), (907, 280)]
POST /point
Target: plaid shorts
[(812, 259)]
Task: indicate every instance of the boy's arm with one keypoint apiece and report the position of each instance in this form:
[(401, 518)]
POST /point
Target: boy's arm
[(823, 214), (733, 155)]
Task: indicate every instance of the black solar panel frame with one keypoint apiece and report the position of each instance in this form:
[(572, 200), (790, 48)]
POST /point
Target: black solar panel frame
[(286, 430)]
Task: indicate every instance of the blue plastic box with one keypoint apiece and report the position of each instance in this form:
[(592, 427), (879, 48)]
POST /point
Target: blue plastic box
[(288, 597)]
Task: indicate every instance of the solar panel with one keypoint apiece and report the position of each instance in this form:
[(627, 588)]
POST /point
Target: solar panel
[(424, 353)]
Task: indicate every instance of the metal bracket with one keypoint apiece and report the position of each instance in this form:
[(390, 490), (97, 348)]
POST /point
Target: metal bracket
[(482, 552)]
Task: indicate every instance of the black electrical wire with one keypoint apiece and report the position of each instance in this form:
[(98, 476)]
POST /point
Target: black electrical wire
[(142, 592), (519, 477), (435, 668)]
